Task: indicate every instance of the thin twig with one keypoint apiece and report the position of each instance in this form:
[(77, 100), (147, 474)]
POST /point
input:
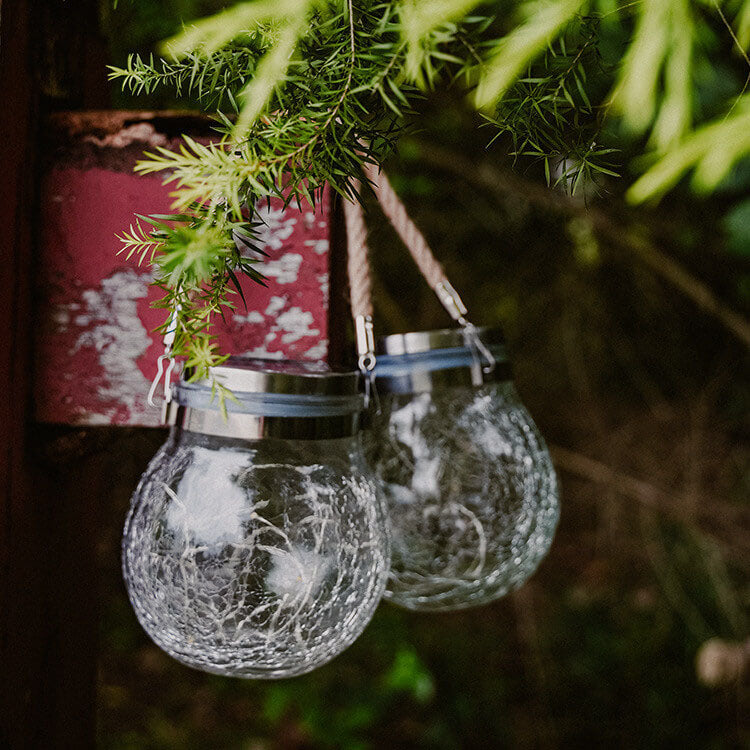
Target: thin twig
[(649, 496), (502, 184), (742, 52)]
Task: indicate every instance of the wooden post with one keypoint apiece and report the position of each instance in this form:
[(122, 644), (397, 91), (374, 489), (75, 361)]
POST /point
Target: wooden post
[(96, 342), (62, 316), (50, 55), (23, 529)]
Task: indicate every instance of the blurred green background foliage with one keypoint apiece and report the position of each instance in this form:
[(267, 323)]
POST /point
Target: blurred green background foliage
[(626, 330)]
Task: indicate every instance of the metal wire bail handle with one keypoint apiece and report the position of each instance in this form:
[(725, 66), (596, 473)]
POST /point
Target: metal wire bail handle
[(164, 371), (453, 303)]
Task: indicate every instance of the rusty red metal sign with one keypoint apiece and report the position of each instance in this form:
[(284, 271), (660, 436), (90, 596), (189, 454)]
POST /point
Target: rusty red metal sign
[(96, 347)]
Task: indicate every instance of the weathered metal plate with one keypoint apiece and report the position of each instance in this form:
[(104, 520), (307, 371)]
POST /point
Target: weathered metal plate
[(96, 349)]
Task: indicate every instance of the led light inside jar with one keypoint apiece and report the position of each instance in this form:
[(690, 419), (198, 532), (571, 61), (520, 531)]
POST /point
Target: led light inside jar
[(470, 488), (256, 544)]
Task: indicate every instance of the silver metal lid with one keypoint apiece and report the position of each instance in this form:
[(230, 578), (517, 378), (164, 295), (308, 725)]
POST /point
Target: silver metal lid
[(279, 398), (451, 357), (283, 376), (416, 342)]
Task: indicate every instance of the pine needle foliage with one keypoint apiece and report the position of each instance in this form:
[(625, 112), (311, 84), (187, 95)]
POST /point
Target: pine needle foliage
[(304, 92), (548, 114), (214, 80)]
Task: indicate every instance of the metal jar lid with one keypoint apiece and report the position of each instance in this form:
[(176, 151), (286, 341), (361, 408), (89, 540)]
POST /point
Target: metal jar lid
[(270, 398), (423, 360)]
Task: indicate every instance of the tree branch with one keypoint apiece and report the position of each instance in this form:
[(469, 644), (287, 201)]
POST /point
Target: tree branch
[(501, 184), (679, 508)]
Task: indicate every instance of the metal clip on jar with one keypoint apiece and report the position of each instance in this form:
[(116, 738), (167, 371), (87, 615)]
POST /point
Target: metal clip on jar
[(469, 484), (256, 544)]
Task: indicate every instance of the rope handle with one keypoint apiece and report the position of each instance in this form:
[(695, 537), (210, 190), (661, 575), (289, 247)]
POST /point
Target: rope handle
[(429, 267), (360, 284), (416, 244)]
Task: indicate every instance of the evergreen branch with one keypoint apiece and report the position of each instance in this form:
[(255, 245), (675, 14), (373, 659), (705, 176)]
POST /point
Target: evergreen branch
[(211, 80), (662, 45), (211, 34), (548, 114), (288, 158), (271, 70), (519, 48), (136, 241), (711, 151), (421, 22), (297, 86), (334, 75)]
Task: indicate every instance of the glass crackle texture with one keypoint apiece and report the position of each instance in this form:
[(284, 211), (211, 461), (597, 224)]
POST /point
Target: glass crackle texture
[(258, 559), (471, 492)]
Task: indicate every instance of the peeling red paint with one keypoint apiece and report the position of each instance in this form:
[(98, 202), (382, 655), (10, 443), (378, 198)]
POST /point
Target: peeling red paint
[(96, 346)]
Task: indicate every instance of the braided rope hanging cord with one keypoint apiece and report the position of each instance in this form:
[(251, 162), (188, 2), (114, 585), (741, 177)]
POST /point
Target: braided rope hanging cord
[(425, 259), (416, 244), (360, 284), (358, 268), (358, 265)]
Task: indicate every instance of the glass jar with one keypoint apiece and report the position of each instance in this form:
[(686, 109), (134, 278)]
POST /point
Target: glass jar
[(256, 544), (469, 484)]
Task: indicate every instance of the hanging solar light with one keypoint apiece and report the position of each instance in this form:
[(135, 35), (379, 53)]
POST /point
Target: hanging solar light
[(256, 545), (469, 483)]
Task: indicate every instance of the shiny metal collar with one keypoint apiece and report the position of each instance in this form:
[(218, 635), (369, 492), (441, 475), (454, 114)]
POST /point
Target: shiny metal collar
[(424, 360), (270, 398), (283, 376), (255, 426), (416, 342)]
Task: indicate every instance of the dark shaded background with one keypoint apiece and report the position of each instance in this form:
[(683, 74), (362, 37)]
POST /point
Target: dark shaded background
[(619, 323)]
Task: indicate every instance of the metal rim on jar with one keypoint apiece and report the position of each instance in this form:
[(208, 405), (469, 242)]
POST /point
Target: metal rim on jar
[(283, 377), (415, 342), (269, 398), (421, 361)]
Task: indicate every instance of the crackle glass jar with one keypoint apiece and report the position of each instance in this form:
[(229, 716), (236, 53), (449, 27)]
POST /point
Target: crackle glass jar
[(256, 545), (470, 488)]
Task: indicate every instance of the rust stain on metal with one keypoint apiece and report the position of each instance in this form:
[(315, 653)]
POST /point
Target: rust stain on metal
[(141, 132)]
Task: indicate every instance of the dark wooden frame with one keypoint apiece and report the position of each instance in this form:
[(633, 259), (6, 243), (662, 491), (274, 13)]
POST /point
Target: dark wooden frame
[(23, 534), (48, 620)]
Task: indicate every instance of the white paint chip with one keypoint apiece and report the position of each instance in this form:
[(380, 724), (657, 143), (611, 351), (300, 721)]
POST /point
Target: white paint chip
[(118, 337), (319, 247), (295, 324), (251, 317), (285, 270), (275, 227), (275, 304), (319, 351)]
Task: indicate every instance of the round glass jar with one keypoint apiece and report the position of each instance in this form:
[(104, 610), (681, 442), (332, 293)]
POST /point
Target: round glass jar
[(469, 484), (256, 544)]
